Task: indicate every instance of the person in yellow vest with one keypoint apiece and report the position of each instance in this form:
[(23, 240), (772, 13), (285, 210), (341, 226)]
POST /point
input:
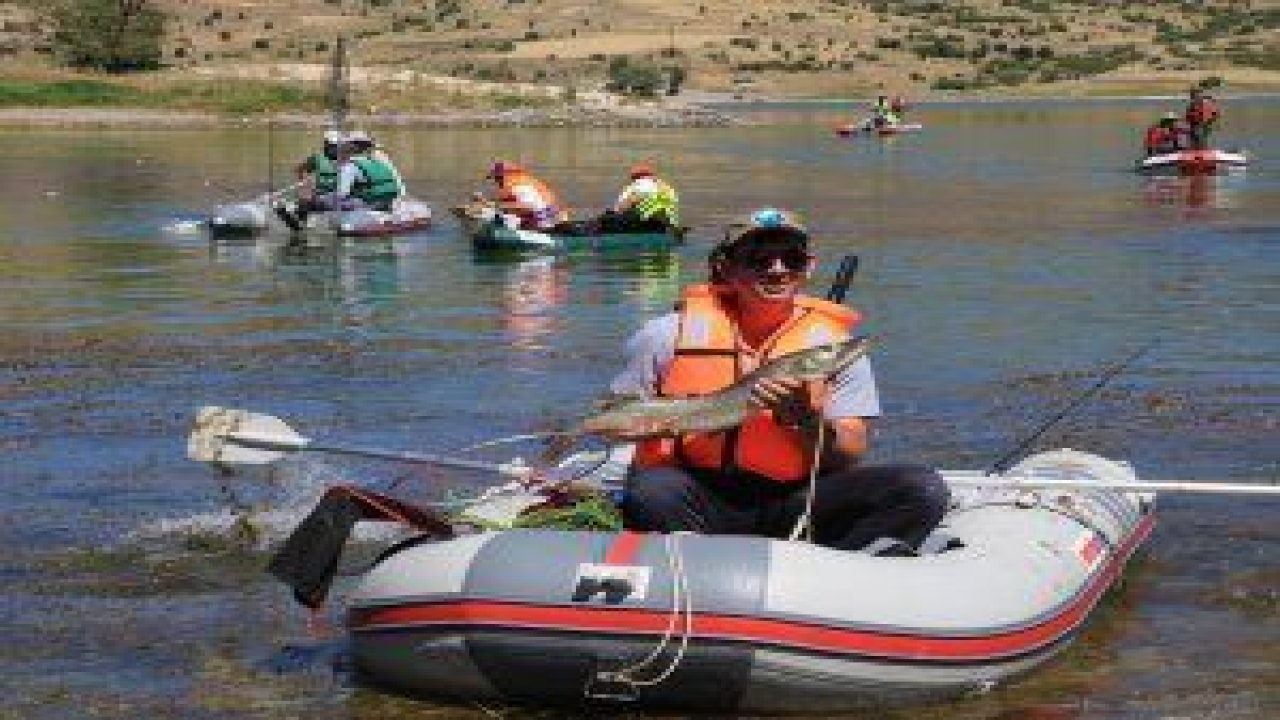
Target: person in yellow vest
[(646, 204), (754, 478)]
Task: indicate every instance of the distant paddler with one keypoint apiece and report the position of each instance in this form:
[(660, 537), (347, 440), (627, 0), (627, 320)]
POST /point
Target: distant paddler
[(527, 202), (759, 473), (647, 204), (366, 179), (317, 182)]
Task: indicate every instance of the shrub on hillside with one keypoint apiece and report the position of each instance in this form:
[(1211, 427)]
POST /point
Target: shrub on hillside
[(634, 78), (107, 35)]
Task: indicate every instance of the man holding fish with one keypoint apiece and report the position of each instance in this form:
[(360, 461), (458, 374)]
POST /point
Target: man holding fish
[(741, 388)]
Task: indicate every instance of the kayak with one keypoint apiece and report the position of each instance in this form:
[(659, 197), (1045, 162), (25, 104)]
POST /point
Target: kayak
[(256, 217), (738, 624), (852, 130), (1194, 162), (490, 230)]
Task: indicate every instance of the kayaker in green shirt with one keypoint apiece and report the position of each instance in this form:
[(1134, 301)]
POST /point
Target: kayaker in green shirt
[(367, 178), (317, 180)]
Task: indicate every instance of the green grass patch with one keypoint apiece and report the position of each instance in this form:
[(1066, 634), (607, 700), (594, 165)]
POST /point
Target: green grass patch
[(230, 96), (66, 93)]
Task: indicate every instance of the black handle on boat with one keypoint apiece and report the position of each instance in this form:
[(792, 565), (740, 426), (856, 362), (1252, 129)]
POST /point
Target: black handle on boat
[(1007, 460), (844, 276)]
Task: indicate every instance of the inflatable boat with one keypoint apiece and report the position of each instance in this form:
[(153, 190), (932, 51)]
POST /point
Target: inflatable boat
[(1195, 162), (489, 230), (852, 130), (753, 625), (256, 217)]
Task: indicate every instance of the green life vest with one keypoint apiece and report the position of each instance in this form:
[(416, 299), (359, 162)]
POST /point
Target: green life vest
[(377, 183), (661, 204), (326, 173)]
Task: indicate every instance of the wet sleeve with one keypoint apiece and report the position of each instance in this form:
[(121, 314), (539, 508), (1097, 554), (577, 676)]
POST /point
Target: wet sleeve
[(853, 393), (649, 351)]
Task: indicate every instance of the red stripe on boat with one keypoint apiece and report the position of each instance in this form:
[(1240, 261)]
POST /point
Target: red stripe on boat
[(766, 631), (624, 548)]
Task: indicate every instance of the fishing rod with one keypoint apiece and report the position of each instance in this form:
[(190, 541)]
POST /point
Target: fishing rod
[(1007, 460), (271, 155)]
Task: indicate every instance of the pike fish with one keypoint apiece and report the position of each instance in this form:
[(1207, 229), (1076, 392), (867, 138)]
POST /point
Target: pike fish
[(646, 417)]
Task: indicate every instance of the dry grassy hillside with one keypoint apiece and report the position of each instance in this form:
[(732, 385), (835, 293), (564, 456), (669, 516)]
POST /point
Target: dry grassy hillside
[(795, 48)]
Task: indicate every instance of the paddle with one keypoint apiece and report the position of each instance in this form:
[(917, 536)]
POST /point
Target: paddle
[(978, 479), (228, 436), (238, 437)]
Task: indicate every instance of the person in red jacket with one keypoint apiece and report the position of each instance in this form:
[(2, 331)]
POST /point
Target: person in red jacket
[(1201, 116), (1164, 137)]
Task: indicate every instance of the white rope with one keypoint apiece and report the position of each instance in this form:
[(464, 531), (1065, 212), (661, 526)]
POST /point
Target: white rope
[(681, 609), (804, 523), (515, 486)]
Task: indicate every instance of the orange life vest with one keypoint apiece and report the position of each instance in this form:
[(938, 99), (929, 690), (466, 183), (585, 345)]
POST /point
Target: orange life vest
[(546, 215), (709, 356)]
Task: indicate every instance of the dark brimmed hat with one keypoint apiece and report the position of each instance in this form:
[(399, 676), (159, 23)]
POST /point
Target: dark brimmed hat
[(766, 225)]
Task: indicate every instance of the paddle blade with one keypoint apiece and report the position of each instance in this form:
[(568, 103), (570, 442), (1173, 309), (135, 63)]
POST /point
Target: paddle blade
[(230, 436)]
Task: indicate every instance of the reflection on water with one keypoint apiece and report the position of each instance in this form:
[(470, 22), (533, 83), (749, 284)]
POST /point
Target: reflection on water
[(1196, 195), (357, 277), (1008, 254), (531, 293)]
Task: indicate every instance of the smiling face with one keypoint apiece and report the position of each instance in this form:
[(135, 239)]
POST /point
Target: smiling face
[(769, 268)]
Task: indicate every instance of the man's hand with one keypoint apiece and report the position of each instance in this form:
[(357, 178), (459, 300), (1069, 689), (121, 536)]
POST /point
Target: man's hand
[(791, 400)]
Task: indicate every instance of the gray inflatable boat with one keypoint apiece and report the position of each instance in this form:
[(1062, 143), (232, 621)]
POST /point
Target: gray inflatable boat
[(255, 217), (754, 625)]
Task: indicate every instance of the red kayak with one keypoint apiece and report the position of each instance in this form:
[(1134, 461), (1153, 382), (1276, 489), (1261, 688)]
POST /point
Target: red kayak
[(1194, 162), (851, 130)]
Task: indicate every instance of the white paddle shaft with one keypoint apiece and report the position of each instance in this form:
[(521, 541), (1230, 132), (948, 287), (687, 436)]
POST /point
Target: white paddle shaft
[(1031, 483), (286, 443)]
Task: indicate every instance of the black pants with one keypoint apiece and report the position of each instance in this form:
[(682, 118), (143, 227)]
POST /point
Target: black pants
[(852, 507), (628, 221)]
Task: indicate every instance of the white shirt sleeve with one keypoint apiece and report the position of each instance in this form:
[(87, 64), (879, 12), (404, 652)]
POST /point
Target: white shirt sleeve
[(347, 176), (649, 351), (637, 189), (528, 197), (853, 393)]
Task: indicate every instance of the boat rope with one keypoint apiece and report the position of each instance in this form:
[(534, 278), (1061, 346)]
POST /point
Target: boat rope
[(1040, 503), (804, 523), (462, 503), (681, 615)]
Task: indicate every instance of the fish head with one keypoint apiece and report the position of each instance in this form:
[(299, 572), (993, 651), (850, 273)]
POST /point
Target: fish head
[(822, 361)]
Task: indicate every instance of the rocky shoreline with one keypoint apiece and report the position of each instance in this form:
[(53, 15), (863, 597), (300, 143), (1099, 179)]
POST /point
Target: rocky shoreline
[(619, 115)]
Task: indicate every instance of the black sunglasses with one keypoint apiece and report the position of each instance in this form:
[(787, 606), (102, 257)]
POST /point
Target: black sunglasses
[(761, 260)]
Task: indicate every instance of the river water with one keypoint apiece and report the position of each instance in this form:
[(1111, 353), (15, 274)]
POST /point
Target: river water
[(1008, 257)]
